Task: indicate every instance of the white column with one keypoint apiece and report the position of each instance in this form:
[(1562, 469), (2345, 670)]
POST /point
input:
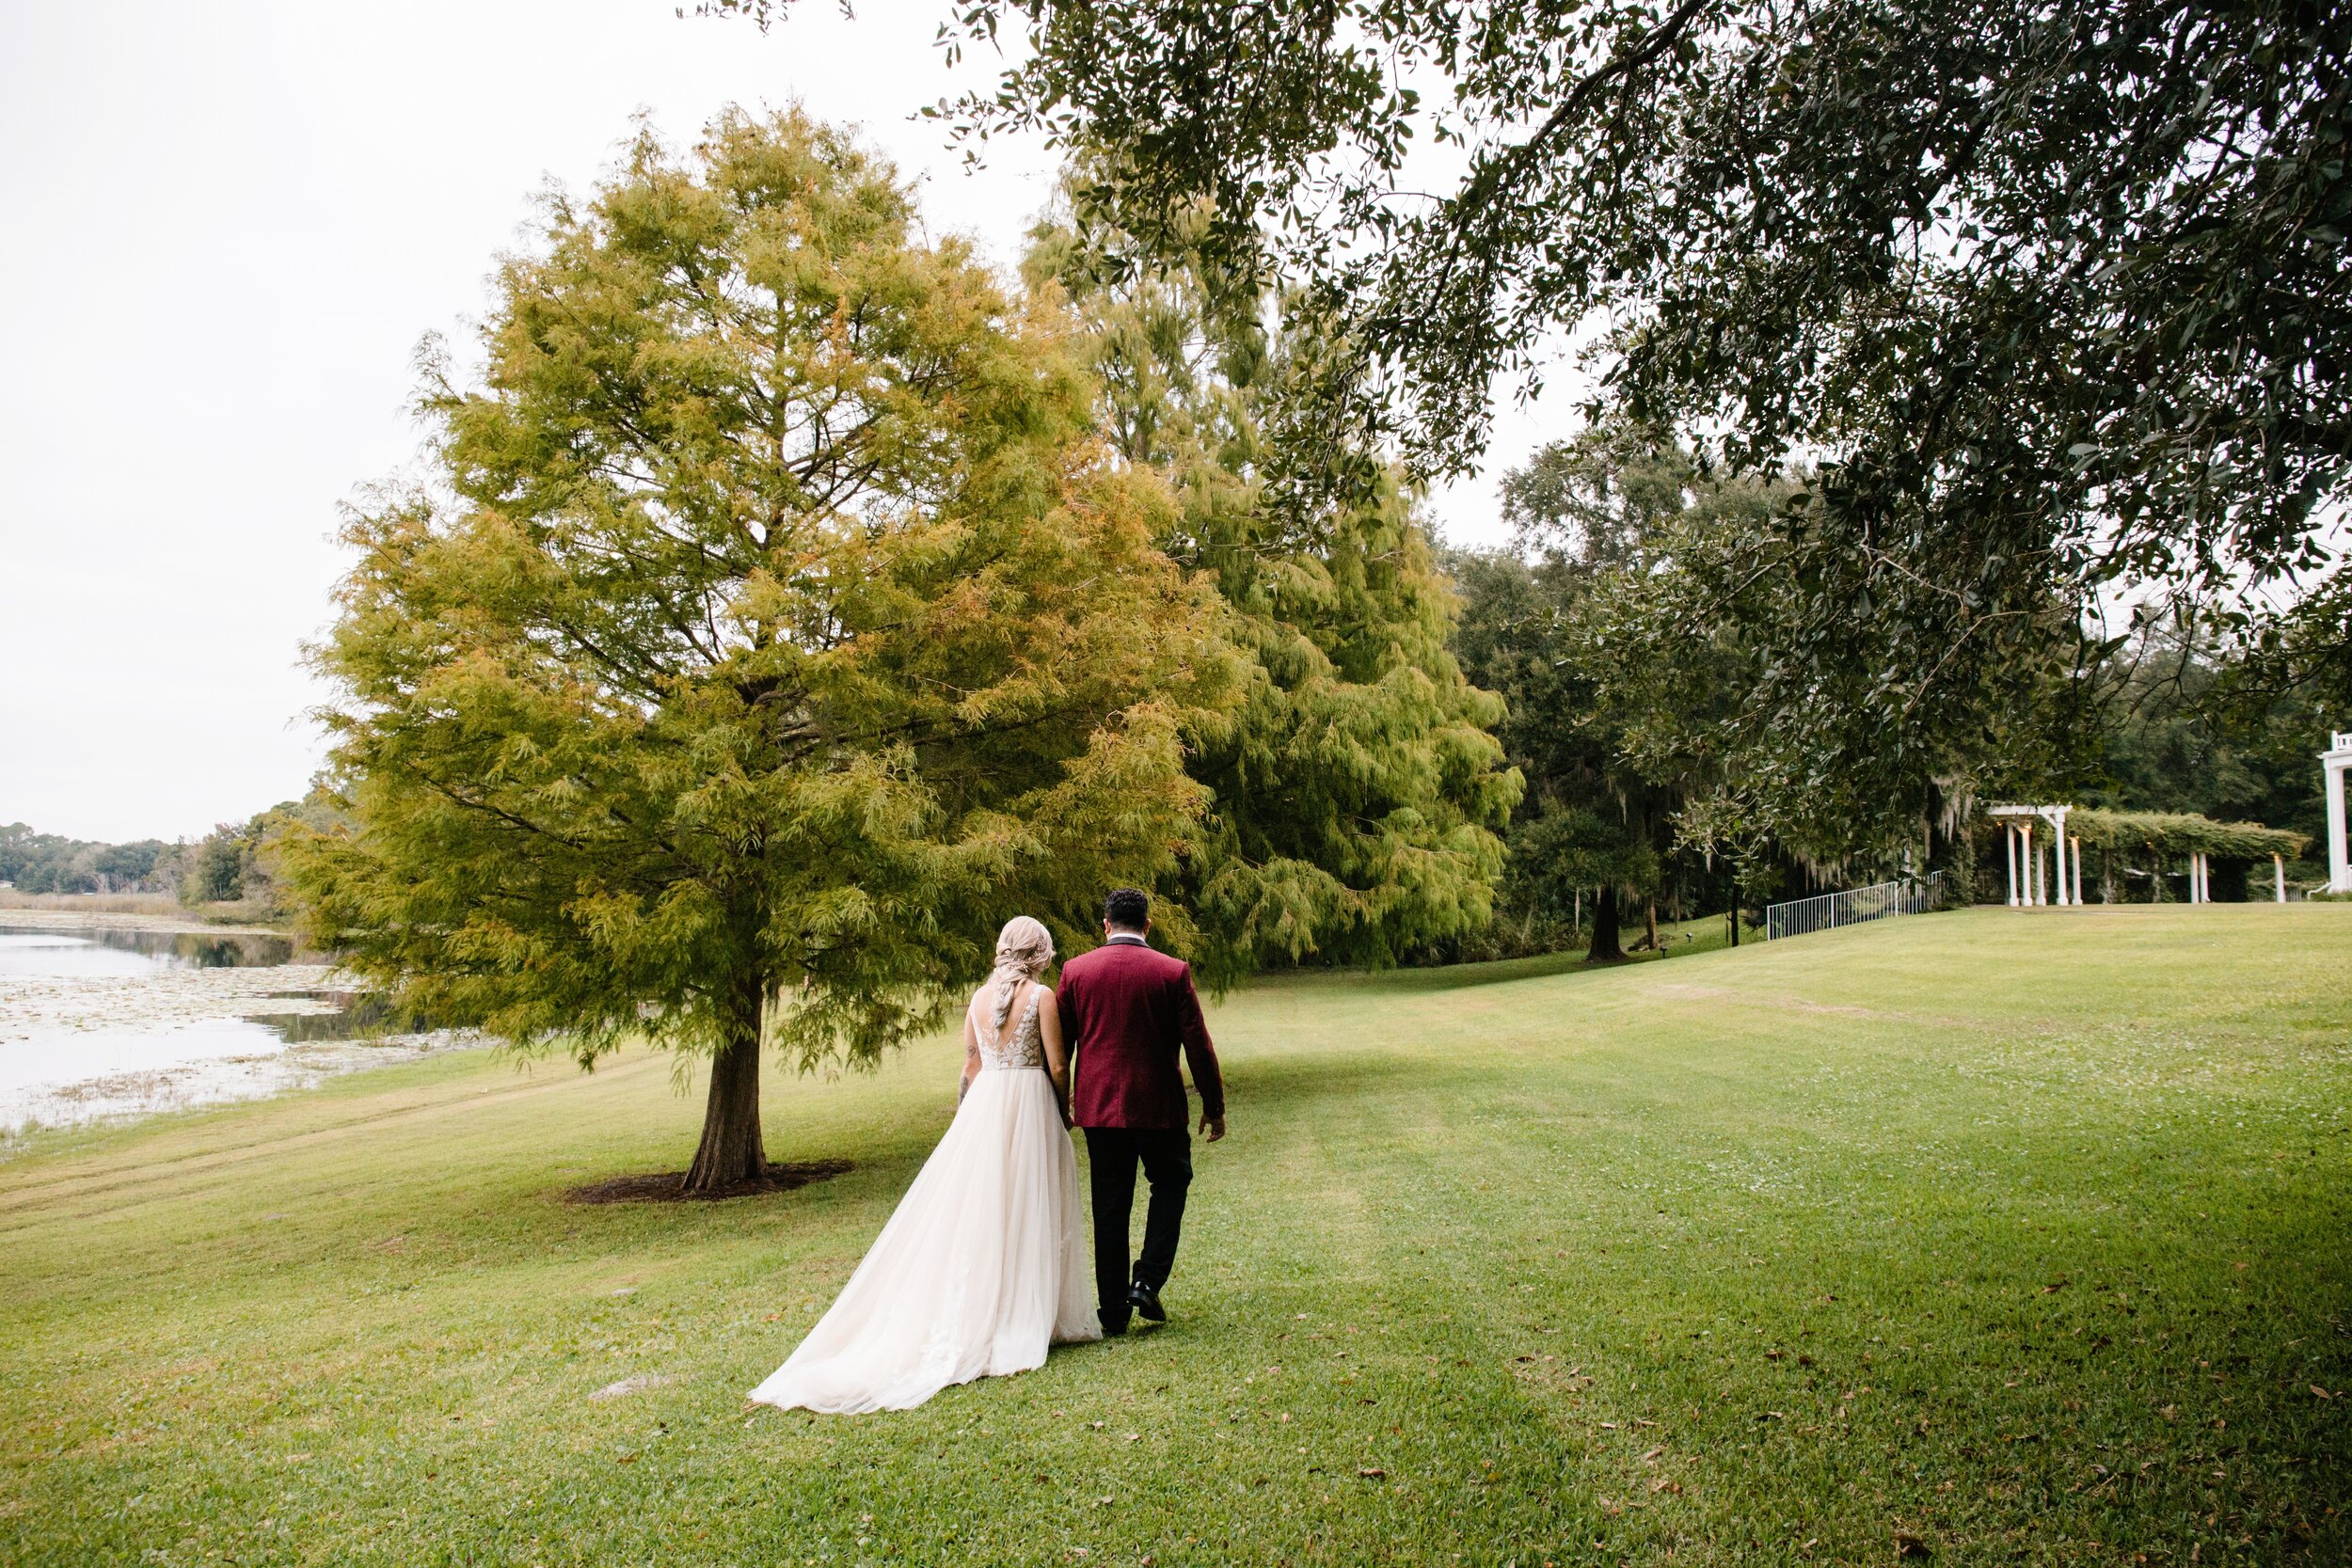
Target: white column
[(2279, 869), (2040, 873), (2339, 758), (2079, 868), (2008, 842)]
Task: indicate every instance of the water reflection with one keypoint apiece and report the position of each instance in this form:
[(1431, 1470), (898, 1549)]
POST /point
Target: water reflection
[(33, 950), (100, 1022), (358, 1015)]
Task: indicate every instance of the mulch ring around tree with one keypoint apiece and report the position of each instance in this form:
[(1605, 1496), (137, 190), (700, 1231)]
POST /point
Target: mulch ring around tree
[(669, 1186)]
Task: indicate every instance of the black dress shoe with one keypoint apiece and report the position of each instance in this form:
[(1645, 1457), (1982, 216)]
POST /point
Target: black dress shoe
[(1146, 1300), (1114, 1324)]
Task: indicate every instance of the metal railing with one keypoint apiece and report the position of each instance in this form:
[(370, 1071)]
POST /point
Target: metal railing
[(1828, 911)]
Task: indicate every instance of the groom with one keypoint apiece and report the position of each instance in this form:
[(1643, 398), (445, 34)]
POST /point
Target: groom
[(1126, 1012)]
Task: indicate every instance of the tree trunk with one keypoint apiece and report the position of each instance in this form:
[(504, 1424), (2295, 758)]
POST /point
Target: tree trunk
[(1604, 947), (731, 1153), (1650, 942)]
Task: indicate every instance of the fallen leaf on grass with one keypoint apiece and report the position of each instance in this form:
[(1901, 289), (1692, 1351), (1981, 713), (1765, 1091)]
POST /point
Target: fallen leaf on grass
[(1665, 1483), (2322, 1392), (1373, 1473)]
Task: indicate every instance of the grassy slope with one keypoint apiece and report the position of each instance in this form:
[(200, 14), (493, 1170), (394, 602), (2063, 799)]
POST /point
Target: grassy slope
[(2020, 1232)]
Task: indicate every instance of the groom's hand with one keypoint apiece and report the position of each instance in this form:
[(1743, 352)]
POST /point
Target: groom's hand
[(1212, 1128)]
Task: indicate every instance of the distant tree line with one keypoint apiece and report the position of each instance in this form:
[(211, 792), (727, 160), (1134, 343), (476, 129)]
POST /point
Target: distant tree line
[(235, 863), (51, 863)]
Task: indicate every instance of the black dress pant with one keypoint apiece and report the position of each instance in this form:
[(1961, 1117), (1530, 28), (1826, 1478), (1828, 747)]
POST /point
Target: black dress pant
[(1112, 1154)]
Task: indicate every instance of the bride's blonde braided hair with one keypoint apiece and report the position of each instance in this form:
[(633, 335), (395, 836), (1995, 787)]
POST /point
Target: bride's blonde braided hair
[(1023, 948)]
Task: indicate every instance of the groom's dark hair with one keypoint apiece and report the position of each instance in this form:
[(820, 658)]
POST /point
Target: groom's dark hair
[(1128, 909)]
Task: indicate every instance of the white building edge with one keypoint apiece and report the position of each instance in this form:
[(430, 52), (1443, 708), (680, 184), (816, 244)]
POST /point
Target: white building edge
[(2336, 759)]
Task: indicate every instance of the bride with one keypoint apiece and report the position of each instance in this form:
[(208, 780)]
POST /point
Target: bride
[(983, 1264)]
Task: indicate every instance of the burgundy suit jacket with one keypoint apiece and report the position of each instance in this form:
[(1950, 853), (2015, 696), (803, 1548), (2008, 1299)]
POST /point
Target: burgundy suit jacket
[(1126, 1012)]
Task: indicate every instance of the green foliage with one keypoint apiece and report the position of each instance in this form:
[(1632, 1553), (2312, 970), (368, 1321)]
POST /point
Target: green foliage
[(2194, 721), (216, 865), (783, 627), (1566, 852), (1356, 789), (50, 862), (1621, 706), (2171, 834), (2053, 290), (1808, 755), (238, 862)]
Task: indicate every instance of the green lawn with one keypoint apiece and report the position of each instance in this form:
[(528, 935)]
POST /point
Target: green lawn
[(2026, 1234)]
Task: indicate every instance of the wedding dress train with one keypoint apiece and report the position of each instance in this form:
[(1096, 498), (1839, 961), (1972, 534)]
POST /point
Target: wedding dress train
[(982, 1265)]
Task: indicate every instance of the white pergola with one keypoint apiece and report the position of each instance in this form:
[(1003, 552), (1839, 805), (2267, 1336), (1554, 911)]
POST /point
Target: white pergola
[(2336, 760), (2030, 882), (2028, 870)]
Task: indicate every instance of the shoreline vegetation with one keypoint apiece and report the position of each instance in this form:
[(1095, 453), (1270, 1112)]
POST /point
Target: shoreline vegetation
[(160, 911)]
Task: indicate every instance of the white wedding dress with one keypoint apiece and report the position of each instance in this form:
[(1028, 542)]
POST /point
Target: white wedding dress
[(983, 1264)]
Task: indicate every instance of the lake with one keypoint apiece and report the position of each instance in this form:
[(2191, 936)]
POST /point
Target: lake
[(102, 1021)]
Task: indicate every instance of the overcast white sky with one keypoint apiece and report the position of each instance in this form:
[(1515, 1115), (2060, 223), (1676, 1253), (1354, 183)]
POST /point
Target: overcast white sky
[(229, 226)]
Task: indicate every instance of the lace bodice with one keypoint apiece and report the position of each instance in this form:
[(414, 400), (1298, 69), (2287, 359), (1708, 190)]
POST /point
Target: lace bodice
[(1022, 1047)]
